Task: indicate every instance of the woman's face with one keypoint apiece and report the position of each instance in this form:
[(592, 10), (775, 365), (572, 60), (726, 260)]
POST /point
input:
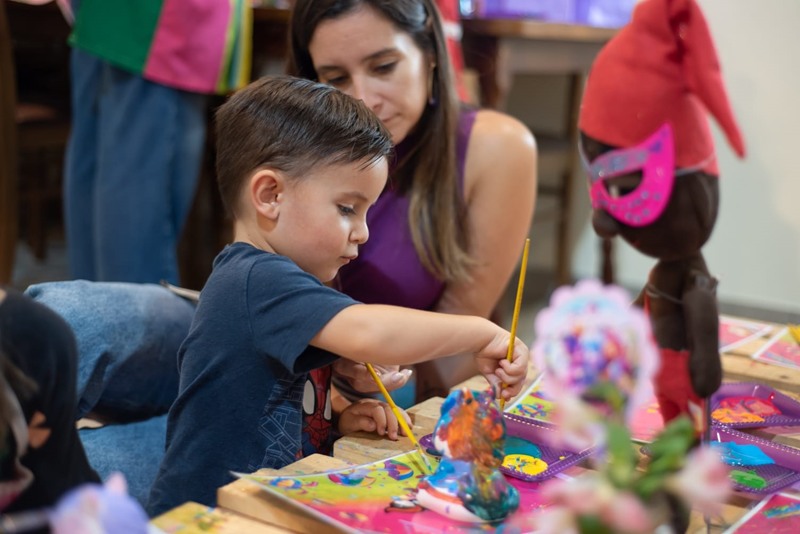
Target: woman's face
[(365, 56)]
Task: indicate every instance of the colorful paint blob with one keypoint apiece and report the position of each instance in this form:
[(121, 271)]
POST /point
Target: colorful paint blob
[(741, 455), (286, 483), (397, 470), (727, 415), (352, 478), (515, 445), (527, 465), (748, 478), (744, 410), (782, 512)]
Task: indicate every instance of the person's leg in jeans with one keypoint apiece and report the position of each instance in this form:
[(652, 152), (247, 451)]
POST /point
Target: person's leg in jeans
[(134, 449), (150, 143), (80, 166), (128, 339)]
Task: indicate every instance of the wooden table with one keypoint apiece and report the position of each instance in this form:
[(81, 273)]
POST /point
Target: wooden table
[(243, 506)]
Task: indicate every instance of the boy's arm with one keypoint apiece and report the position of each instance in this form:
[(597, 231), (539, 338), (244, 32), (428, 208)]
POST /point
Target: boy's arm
[(381, 334), (393, 335)]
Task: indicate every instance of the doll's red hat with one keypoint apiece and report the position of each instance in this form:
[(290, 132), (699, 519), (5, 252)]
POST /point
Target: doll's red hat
[(662, 67)]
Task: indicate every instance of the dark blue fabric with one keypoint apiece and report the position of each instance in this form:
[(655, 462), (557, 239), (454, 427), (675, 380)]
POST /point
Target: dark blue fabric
[(244, 370)]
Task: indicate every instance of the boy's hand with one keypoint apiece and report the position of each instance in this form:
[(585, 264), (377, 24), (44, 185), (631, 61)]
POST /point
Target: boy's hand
[(360, 378), (371, 415), (493, 365)]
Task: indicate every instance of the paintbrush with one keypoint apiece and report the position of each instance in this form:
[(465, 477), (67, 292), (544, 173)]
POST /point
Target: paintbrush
[(515, 318), (400, 418)]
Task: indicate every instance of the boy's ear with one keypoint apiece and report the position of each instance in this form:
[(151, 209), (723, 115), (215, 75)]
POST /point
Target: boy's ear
[(266, 192)]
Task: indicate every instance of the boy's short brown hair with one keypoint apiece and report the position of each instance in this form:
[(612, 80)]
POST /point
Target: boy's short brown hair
[(292, 125)]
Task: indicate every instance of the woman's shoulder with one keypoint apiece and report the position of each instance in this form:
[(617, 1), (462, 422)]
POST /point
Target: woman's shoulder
[(498, 142), (494, 126)]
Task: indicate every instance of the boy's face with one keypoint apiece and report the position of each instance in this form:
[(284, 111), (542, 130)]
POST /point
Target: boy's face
[(323, 216)]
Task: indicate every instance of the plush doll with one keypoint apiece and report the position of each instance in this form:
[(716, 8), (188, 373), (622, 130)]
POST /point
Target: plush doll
[(654, 181)]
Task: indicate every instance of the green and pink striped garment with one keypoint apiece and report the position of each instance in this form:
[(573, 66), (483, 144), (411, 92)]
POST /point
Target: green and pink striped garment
[(203, 46)]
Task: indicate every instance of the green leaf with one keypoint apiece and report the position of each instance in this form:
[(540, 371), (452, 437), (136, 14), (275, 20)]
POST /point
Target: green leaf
[(621, 457), (591, 524)]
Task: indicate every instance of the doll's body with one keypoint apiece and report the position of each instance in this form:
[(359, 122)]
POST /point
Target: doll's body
[(680, 295), (680, 299)]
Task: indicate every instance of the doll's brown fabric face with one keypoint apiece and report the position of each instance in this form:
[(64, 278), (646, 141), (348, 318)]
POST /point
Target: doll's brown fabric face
[(683, 227)]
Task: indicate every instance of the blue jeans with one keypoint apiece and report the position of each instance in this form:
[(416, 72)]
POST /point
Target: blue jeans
[(132, 166), (128, 339)]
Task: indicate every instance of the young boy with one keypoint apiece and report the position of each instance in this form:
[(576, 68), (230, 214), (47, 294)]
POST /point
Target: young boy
[(298, 164)]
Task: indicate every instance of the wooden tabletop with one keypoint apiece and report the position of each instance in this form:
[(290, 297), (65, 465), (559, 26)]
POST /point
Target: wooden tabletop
[(537, 30), (241, 500)]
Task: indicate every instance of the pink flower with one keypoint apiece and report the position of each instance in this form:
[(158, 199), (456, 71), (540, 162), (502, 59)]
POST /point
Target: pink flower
[(578, 423), (593, 495), (626, 513), (703, 482), (556, 520)]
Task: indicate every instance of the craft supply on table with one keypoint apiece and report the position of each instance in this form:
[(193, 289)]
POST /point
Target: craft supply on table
[(782, 349), (539, 435), (388, 504), (776, 514), (468, 485), (753, 405), (733, 333)]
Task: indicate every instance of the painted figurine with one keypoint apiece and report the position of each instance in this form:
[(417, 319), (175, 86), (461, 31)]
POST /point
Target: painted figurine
[(654, 181), (467, 485)]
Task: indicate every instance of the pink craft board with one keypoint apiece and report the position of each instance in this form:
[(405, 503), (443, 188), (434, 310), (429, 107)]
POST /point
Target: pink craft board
[(356, 500), (735, 332), (781, 349), (535, 404), (777, 514)]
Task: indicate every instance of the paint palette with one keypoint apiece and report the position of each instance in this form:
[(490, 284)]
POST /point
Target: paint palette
[(530, 454), (753, 414), (760, 479)]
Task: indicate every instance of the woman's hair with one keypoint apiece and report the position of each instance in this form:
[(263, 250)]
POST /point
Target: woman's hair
[(292, 125), (428, 173)]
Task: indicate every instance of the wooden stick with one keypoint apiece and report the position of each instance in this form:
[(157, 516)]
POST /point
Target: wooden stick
[(517, 305), (400, 418)]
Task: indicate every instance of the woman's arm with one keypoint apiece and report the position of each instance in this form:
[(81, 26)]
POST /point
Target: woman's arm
[(500, 191)]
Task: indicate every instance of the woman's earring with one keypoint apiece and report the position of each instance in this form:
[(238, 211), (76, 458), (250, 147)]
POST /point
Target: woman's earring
[(431, 86)]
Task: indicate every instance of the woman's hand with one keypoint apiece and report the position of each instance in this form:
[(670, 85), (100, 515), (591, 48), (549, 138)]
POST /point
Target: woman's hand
[(360, 378), (371, 415)]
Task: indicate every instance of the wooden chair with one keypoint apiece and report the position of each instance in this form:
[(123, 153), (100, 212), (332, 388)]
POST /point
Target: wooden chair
[(34, 129), (8, 153)]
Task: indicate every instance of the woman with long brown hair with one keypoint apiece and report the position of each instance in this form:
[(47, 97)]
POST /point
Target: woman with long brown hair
[(447, 232)]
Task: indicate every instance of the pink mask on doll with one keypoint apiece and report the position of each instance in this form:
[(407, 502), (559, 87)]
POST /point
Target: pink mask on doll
[(655, 158)]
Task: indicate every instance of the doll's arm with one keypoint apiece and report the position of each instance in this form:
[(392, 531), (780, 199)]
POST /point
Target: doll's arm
[(702, 332)]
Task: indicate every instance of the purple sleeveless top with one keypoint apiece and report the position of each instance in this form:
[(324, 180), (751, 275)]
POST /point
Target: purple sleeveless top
[(388, 270)]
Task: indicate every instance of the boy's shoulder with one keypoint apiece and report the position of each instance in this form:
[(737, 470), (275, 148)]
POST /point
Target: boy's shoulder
[(242, 257), (241, 267)]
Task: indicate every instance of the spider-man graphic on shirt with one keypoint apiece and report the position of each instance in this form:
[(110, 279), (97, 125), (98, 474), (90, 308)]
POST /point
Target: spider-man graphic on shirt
[(316, 434)]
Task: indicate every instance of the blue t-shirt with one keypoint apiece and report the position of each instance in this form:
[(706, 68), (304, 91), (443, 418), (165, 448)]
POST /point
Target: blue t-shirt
[(253, 393)]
